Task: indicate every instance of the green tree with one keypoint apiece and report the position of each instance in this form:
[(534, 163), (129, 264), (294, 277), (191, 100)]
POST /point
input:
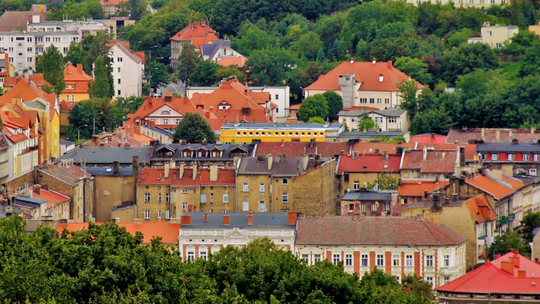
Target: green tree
[(384, 182), (436, 120), (467, 58), (335, 104), (100, 87), (407, 91), (272, 67), (128, 105), (253, 39), (99, 112), (316, 120), (417, 286), (313, 106), (51, 64), (504, 243), (204, 74), (226, 72), (157, 74), (367, 124), (307, 45), (529, 223), (415, 68), (188, 60), (193, 128), (76, 54)]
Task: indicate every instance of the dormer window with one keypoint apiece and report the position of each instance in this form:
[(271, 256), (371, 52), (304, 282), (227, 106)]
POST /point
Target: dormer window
[(165, 112), (246, 111)]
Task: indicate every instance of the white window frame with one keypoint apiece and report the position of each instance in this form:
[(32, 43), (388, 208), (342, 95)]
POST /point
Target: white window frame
[(262, 204), (348, 259), (532, 172), (356, 185), (203, 254), (261, 187), (380, 260), (285, 181), (168, 197), (245, 187), (225, 197), (190, 256), (245, 205), (203, 197), (147, 197), (184, 206), (396, 260), (446, 260), (364, 260), (429, 260), (494, 156), (285, 197), (146, 214), (336, 258), (167, 214), (159, 213)]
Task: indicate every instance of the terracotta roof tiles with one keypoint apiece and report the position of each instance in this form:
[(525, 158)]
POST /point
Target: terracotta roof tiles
[(418, 187), (197, 34), (156, 176), (298, 149), (435, 161), (498, 189), (369, 162), (239, 62), (481, 209)]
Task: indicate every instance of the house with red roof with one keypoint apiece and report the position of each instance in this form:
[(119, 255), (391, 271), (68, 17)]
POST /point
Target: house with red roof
[(397, 245), (299, 148), (511, 278), (110, 6), (372, 84), (77, 82), (429, 138), (196, 33), (239, 61), (41, 203), (432, 164), (413, 191)]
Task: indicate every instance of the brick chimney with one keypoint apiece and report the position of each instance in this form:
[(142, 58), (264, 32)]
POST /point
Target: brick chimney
[(521, 273), (226, 220), (250, 219), (194, 170), (37, 189), (508, 266), (291, 218), (166, 170), (191, 208), (515, 261), (181, 170), (206, 217), (80, 68), (186, 220)]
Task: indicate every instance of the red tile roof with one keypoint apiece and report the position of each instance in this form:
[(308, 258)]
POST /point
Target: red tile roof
[(428, 138), (197, 34), (110, 2), (470, 149), (370, 147), (417, 187), (167, 231), (239, 62), (344, 230), (76, 76), (459, 135), (481, 209), (8, 66), (150, 105), (490, 278), (156, 176), (51, 196), (26, 90), (12, 20), (496, 188), (369, 162), (436, 161), (366, 73), (298, 149)]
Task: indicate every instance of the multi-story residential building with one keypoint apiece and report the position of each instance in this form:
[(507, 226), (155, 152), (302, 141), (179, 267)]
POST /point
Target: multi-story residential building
[(386, 120), (371, 84), (195, 33), (5, 159), (37, 203), (77, 83), (6, 70), (299, 149), (479, 135), (281, 183), (110, 6), (398, 246), (496, 35), (24, 46), (217, 50), (23, 138), (511, 278), (127, 69), (204, 233), (279, 132), (463, 3), (417, 190), (517, 157), (513, 206), (365, 202)]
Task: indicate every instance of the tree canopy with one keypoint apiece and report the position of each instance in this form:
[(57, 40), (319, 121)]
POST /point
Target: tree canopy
[(313, 106), (51, 64), (193, 128)]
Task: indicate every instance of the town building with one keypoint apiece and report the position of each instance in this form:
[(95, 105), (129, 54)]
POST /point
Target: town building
[(196, 33), (37, 203), (205, 233), (373, 84), (300, 148), (110, 6), (77, 83), (279, 132), (115, 24), (218, 49), (511, 278), (6, 159), (386, 120), (399, 246), (127, 69), (465, 3), (477, 135), (512, 206), (6, 70), (417, 190), (108, 156), (520, 158), (495, 35), (365, 202), (430, 138)]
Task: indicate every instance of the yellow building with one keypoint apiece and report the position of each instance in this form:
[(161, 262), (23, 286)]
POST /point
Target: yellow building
[(496, 35), (535, 28), (76, 84), (278, 132)]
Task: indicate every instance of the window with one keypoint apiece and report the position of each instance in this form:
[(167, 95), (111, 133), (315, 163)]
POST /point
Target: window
[(203, 197), (29, 49), (494, 156), (391, 120), (119, 59), (167, 214), (73, 96), (262, 206), (537, 157), (119, 69), (147, 214), (372, 100), (356, 185), (348, 259), (526, 157), (429, 261), (305, 257), (146, 197), (395, 260), (261, 187), (277, 97), (365, 260), (511, 156), (159, 197), (446, 280), (203, 255), (190, 256), (67, 97), (430, 280), (489, 33), (446, 260), (285, 197), (336, 258), (380, 260), (285, 181), (184, 206), (387, 100), (363, 100), (29, 59), (184, 191), (167, 198), (245, 187), (316, 258), (379, 100), (119, 92), (119, 81), (245, 205), (409, 260), (165, 121), (159, 214), (532, 172), (225, 197)]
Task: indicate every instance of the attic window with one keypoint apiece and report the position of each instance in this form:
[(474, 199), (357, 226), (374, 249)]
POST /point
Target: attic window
[(165, 112), (364, 166), (385, 166)]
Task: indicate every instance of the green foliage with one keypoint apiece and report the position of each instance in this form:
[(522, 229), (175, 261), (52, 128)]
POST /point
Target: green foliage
[(157, 74), (504, 243), (384, 182), (367, 124), (204, 74), (226, 72), (51, 64), (128, 105), (193, 128), (188, 60), (77, 10), (275, 67), (316, 120), (529, 223), (418, 287), (107, 116), (313, 106), (467, 58), (100, 87), (335, 104)]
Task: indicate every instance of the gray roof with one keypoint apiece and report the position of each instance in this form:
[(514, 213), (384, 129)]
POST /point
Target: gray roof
[(26, 199), (3, 64), (508, 147), (367, 195), (109, 171), (64, 142), (281, 166), (162, 151), (210, 49), (282, 126), (270, 220), (159, 130), (107, 155), (35, 105)]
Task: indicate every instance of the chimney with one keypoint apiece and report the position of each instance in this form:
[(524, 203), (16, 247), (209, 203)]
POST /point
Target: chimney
[(497, 135), (461, 159), (181, 170), (194, 170), (508, 267), (116, 167), (291, 218), (206, 217), (311, 142), (80, 68), (226, 220), (521, 273), (138, 221), (424, 156), (381, 77), (351, 60), (191, 208), (515, 261), (186, 220), (389, 64), (497, 256), (250, 219), (37, 189), (305, 161), (515, 141), (213, 172), (166, 170), (270, 160), (374, 60)]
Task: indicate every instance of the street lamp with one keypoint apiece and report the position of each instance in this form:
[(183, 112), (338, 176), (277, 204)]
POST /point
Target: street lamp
[(79, 133)]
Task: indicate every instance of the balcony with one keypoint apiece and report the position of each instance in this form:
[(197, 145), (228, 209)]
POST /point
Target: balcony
[(447, 271), (504, 220)]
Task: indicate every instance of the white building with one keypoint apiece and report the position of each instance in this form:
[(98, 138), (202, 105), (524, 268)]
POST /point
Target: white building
[(387, 120), (205, 233), (127, 70)]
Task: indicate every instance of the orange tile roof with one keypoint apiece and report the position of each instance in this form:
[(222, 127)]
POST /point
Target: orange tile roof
[(155, 176), (110, 2), (369, 162), (239, 62), (428, 138), (418, 187), (366, 73), (481, 209), (76, 76), (6, 60), (27, 91), (167, 231), (196, 33), (51, 196), (497, 189), (150, 105)]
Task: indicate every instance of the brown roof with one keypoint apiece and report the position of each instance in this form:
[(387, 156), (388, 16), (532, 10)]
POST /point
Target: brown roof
[(298, 149), (462, 136), (286, 166), (11, 21), (345, 230), (436, 161)]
